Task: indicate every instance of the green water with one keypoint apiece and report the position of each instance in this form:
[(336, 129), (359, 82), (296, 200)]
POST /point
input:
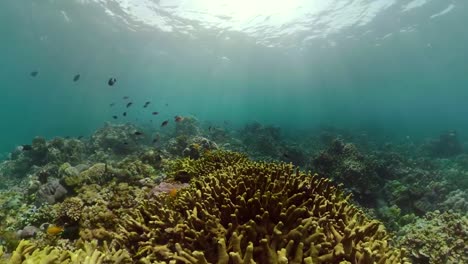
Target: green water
[(411, 82)]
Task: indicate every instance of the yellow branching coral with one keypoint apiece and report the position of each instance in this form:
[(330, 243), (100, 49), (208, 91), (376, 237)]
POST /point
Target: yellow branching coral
[(185, 169), (247, 212), (27, 253)]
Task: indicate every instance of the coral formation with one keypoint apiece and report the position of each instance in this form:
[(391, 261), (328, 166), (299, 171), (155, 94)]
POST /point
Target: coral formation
[(447, 145), (261, 212), (343, 163), (27, 252), (437, 238)]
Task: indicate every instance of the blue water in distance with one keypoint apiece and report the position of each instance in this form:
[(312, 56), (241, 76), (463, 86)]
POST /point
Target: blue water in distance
[(398, 67)]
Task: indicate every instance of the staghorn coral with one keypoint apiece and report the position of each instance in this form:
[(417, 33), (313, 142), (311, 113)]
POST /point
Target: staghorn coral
[(262, 212), (184, 169), (28, 253), (437, 238)]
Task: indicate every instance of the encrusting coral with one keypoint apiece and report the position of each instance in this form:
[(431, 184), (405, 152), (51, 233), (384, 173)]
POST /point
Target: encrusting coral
[(437, 238), (248, 212)]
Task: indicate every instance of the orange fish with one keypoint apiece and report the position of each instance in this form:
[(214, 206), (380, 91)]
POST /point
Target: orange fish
[(54, 230), (172, 192)]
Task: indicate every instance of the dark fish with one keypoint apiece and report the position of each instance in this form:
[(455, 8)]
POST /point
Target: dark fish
[(111, 81), (178, 118), (124, 114), (67, 137), (155, 113), (76, 78), (209, 128), (34, 73), (80, 137), (125, 143), (285, 155), (125, 97), (138, 133), (129, 104), (111, 104), (26, 147), (164, 123), (146, 104)]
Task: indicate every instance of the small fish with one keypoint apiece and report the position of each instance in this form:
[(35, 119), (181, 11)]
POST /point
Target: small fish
[(26, 147), (34, 73), (125, 143), (80, 137), (54, 230), (178, 118), (138, 133), (167, 104), (115, 117), (164, 123), (112, 81), (286, 155), (146, 104), (111, 104), (125, 97), (129, 104), (155, 140), (76, 78), (155, 113), (124, 114), (67, 137), (172, 192), (209, 128)]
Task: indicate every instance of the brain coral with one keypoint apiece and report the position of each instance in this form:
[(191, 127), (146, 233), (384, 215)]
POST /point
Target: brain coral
[(248, 212)]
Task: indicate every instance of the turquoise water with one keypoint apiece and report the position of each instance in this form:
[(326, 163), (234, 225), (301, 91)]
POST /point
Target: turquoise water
[(395, 66)]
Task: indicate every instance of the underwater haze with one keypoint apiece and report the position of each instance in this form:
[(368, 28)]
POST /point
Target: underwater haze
[(234, 131), (395, 66)]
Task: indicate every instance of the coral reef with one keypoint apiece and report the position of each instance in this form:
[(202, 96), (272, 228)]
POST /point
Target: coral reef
[(27, 252), (116, 140), (447, 145), (267, 213), (343, 163), (437, 238)]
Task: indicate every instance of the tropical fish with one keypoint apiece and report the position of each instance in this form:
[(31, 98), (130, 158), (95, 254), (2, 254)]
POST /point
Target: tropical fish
[(115, 117), (34, 73), (164, 123), (54, 230), (146, 104), (155, 113), (172, 192), (80, 137), (129, 104), (138, 133), (125, 97), (124, 114), (111, 81), (76, 78)]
